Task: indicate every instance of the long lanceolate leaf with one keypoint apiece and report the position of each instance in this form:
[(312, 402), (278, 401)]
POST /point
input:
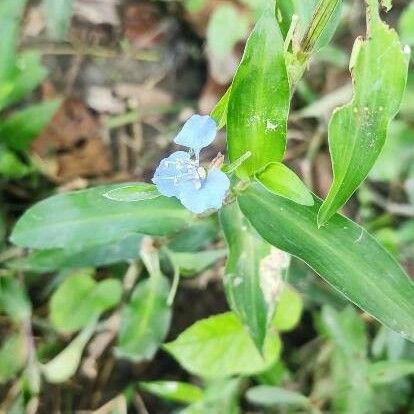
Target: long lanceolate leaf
[(146, 318), (342, 252), (85, 218), (242, 279), (358, 130), (259, 100)]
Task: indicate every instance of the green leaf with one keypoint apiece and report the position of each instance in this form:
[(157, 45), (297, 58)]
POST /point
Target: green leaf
[(267, 396), (384, 372), (85, 218), (18, 130), (226, 27), (14, 300), (389, 343), (357, 131), (289, 310), (193, 6), (80, 299), (10, 15), (313, 290), (220, 396), (146, 318), (254, 273), (219, 112), (59, 13), (305, 11), (13, 355), (27, 75), (347, 329), (322, 25), (275, 375), (133, 192), (173, 390), (259, 100), (198, 235), (406, 25), (10, 164), (65, 364), (397, 147), (195, 262), (43, 261), (342, 252), (281, 180), (351, 391), (219, 347)]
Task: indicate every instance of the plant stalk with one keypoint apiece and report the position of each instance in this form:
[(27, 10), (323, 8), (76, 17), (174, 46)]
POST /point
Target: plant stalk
[(321, 18)]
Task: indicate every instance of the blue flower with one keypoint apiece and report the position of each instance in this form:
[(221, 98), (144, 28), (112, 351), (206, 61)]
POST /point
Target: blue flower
[(181, 175), (197, 133)]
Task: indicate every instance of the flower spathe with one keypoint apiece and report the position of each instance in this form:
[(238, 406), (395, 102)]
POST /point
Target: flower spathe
[(181, 175)]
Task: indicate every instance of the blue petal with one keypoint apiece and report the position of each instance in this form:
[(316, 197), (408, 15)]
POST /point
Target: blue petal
[(209, 196), (167, 170), (198, 132)]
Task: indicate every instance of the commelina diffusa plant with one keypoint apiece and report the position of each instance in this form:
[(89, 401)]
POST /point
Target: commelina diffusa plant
[(265, 210)]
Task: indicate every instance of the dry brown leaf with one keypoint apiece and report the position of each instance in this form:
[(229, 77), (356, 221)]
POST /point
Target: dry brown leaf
[(143, 25), (72, 142)]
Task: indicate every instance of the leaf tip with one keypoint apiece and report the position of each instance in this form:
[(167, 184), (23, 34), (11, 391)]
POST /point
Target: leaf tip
[(323, 217), (308, 200)]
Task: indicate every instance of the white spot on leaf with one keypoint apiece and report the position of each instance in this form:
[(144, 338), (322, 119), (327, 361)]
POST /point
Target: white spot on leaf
[(270, 126), (272, 269), (237, 281)]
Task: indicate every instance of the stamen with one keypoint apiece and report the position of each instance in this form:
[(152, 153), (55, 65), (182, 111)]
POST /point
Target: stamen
[(187, 170)]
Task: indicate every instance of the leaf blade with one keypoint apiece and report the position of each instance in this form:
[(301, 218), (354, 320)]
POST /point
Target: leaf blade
[(281, 180), (357, 131), (342, 252), (242, 273), (219, 347), (145, 320), (85, 218), (255, 122), (21, 128)]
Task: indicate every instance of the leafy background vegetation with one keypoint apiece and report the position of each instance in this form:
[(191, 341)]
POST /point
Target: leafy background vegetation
[(95, 316)]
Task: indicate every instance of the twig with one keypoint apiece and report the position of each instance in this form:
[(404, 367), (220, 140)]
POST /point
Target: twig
[(131, 117), (73, 73), (68, 50)]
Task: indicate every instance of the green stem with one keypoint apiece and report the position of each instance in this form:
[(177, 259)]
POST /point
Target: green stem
[(321, 18), (372, 14)]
